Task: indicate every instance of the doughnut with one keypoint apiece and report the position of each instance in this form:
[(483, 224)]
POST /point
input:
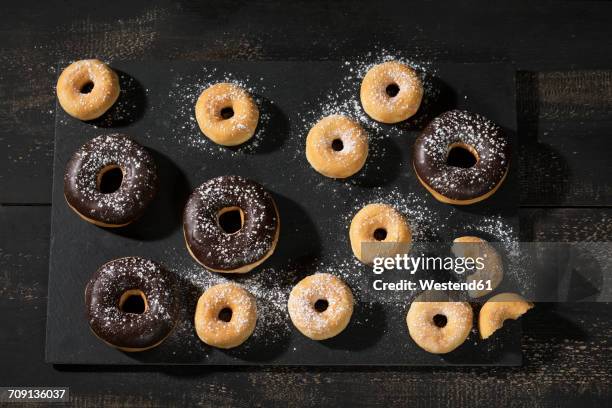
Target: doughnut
[(498, 309), (225, 316), (474, 247), (379, 223), (320, 306), (227, 114), (461, 157), (438, 325), (110, 180), (391, 92), (87, 88), (131, 303), (230, 224), (337, 146)]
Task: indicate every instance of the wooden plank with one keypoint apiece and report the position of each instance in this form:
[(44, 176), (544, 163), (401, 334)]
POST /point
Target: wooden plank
[(564, 125), (566, 346)]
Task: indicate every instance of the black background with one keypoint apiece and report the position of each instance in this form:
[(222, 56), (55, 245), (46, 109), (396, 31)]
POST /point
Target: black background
[(564, 88), (314, 213)]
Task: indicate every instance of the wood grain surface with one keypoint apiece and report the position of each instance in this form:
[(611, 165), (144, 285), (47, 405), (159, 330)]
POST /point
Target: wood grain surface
[(564, 100)]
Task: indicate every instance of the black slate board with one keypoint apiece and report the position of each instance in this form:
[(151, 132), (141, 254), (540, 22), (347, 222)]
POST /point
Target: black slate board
[(157, 109)]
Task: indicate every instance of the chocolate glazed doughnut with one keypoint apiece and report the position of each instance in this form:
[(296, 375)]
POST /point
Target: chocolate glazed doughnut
[(131, 303), (110, 180), (231, 224), (461, 157)]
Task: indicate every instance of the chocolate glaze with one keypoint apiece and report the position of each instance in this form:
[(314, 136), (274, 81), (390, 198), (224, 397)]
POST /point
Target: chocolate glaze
[(137, 189), (209, 243), (431, 151), (130, 330)]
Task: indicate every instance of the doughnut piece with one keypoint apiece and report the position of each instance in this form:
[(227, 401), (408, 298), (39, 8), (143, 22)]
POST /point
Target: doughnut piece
[(337, 146), (320, 306), (225, 316), (87, 88), (461, 157), (379, 223), (438, 325), (391, 92), (227, 114), (231, 224), (493, 271), (110, 180), (498, 309), (131, 303)]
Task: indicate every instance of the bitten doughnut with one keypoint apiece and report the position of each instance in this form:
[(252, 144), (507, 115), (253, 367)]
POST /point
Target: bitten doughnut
[(231, 224), (87, 88), (493, 271), (461, 157), (379, 223), (227, 114), (498, 309), (131, 303), (110, 180), (438, 325), (225, 316), (391, 92), (320, 306), (337, 146)]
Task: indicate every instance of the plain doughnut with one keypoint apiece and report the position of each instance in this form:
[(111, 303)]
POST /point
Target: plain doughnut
[(227, 330), (498, 309), (337, 146), (379, 223), (493, 271), (227, 114), (87, 88), (320, 306), (391, 92), (438, 326)]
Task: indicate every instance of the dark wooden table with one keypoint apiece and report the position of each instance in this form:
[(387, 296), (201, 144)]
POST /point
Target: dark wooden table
[(563, 51)]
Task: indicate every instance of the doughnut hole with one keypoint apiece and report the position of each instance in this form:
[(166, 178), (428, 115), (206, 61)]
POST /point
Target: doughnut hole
[(87, 87), (110, 179), (337, 145), (380, 234), (230, 219), (227, 112), (461, 155), (392, 90), (133, 301), (321, 305), (440, 320), (225, 314)]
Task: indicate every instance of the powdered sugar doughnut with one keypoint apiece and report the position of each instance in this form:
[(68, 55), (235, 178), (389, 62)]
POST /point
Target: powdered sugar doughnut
[(131, 303), (337, 146), (320, 306), (231, 224), (461, 157), (498, 309), (438, 325), (110, 180), (87, 88), (379, 223), (225, 316), (391, 92), (227, 114)]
